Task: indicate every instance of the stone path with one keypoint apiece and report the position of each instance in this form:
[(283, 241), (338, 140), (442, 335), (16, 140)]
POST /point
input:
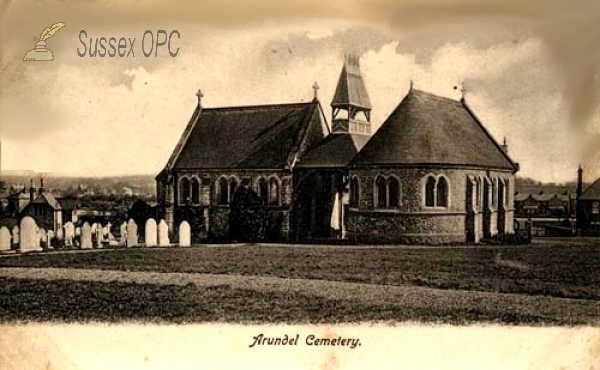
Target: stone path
[(405, 297)]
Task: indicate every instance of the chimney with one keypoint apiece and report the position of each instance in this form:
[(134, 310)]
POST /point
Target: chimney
[(41, 189), (579, 181), (31, 190), (578, 208)]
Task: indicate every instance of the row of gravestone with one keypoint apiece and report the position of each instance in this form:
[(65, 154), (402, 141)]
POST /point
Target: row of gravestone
[(28, 237)]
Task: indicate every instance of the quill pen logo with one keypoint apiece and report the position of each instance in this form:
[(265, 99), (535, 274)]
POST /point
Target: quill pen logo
[(40, 53)]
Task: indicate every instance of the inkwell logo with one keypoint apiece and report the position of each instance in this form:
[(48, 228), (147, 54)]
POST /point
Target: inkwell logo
[(40, 53)]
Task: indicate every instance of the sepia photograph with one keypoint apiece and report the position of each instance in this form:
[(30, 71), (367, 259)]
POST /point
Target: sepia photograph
[(342, 185)]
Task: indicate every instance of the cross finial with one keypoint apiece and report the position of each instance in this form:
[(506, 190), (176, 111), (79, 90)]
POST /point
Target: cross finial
[(199, 95), (463, 90), (315, 87)]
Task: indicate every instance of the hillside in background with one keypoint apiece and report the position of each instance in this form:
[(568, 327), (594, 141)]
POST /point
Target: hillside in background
[(144, 185)]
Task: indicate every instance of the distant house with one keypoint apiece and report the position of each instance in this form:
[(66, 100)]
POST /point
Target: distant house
[(69, 207), (544, 205), (588, 203), (43, 208)]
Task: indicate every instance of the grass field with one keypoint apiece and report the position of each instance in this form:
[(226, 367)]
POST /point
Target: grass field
[(558, 270), (554, 283)]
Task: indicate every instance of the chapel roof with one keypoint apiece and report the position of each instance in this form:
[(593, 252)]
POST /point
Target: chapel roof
[(336, 150), (247, 137), (429, 129)]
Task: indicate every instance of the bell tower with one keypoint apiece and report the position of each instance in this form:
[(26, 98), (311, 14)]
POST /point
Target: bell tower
[(351, 106)]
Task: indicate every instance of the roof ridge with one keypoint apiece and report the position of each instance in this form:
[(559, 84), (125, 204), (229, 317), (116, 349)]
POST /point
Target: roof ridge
[(259, 106), (445, 98)]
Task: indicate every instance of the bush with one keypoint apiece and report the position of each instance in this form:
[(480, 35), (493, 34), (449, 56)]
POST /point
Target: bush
[(247, 216)]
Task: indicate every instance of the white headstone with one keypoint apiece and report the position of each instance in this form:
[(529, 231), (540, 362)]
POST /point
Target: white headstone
[(185, 234), (163, 234), (42, 235), (5, 239), (99, 236), (50, 236), (150, 233), (29, 239), (69, 233), (15, 234), (94, 227), (106, 230), (123, 232), (132, 235), (59, 233), (86, 236), (78, 231)]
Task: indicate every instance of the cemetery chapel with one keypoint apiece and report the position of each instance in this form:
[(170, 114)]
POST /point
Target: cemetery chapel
[(431, 173)]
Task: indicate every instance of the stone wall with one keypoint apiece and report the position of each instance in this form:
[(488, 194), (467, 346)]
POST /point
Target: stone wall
[(464, 219)]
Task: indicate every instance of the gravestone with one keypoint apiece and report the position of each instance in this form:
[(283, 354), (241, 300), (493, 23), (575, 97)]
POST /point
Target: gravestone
[(123, 234), (43, 237), (94, 227), (69, 234), (86, 236), (132, 235), (59, 233), (29, 240), (99, 236), (5, 239), (163, 234), (150, 233), (78, 231), (184, 234), (50, 237), (15, 235)]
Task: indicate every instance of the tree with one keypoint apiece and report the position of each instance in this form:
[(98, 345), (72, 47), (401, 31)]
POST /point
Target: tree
[(247, 216)]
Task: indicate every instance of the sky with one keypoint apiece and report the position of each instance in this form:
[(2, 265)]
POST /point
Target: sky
[(530, 73)]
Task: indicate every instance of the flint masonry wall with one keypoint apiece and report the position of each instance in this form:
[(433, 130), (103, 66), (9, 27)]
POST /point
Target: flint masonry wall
[(412, 222), (210, 220)]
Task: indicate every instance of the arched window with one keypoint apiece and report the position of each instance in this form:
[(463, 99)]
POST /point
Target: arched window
[(233, 184), (223, 191), (393, 192), (262, 189), (195, 191), (184, 190), (354, 192), (430, 192), (273, 192), (437, 191), (381, 194), (442, 192)]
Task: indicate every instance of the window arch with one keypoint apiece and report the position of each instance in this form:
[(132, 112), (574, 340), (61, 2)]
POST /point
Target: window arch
[(273, 192), (437, 191), (442, 192), (387, 192), (430, 192), (354, 192), (233, 185), (262, 189), (393, 192), (223, 197), (381, 193), (184, 190), (195, 190)]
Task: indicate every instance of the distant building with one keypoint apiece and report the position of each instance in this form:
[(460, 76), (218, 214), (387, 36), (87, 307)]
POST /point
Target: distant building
[(588, 208), (43, 208)]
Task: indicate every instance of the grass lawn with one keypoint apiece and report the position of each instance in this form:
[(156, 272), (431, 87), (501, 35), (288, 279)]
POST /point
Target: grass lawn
[(554, 269), (25, 300)]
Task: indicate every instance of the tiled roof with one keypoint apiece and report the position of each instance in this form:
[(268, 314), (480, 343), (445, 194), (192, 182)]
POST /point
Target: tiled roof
[(251, 137), (336, 150), (47, 198), (592, 192), (428, 129)]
